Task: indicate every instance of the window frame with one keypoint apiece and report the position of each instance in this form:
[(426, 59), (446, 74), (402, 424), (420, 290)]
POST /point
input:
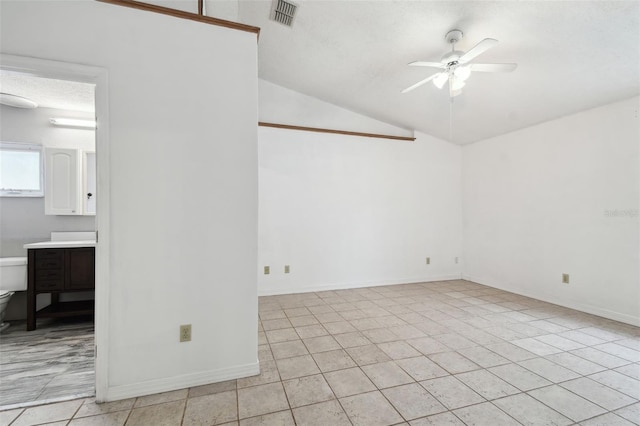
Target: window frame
[(27, 147)]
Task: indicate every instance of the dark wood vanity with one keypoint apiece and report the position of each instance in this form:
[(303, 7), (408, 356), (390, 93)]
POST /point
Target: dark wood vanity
[(56, 271)]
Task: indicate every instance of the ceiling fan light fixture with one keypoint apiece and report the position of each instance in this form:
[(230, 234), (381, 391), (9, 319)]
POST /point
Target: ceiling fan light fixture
[(462, 72), (457, 84), (440, 80)]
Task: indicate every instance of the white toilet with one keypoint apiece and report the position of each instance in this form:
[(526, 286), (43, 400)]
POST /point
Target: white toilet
[(13, 277)]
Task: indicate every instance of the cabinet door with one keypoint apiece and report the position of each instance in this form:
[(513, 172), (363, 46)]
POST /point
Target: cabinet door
[(89, 177), (80, 268), (61, 193)]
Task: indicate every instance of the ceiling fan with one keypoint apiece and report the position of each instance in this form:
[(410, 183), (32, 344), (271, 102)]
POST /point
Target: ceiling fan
[(456, 65)]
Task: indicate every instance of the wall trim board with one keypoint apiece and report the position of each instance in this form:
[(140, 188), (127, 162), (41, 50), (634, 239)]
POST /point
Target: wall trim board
[(351, 285), (176, 13), (181, 382), (589, 309), (334, 131)]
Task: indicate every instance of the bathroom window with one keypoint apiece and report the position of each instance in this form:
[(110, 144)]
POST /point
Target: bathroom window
[(21, 170)]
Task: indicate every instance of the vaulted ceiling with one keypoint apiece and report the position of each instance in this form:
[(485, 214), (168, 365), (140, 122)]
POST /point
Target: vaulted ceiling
[(571, 56)]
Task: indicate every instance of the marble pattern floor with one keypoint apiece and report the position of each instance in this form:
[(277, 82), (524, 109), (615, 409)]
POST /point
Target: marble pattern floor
[(442, 353), (53, 362)]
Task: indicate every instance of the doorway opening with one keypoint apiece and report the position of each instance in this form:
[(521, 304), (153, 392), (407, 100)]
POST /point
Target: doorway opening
[(50, 348)]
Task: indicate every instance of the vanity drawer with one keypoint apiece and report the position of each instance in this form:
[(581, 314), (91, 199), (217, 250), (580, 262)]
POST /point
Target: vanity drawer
[(48, 259), (51, 263), (50, 284), (49, 274), (49, 253)]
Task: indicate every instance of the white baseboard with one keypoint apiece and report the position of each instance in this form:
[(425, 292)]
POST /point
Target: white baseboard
[(351, 285), (589, 309), (180, 382)]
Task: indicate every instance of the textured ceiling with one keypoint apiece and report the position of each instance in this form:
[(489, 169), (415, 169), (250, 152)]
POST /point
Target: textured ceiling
[(49, 93), (571, 56)]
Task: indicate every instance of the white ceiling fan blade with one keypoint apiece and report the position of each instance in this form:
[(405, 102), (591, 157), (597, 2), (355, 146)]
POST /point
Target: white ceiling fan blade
[(428, 64), (421, 82), (476, 50), (493, 67)]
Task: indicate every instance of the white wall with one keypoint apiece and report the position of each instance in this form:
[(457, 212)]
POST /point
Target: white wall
[(183, 185), (347, 211), (536, 206)]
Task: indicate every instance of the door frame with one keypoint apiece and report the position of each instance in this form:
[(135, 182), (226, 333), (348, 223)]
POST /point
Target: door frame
[(99, 77)]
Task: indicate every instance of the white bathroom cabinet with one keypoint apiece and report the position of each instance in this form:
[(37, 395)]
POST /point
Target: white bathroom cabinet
[(61, 183), (89, 182), (69, 178)]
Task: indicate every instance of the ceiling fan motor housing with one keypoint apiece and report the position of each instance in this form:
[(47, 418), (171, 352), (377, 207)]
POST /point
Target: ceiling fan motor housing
[(450, 58)]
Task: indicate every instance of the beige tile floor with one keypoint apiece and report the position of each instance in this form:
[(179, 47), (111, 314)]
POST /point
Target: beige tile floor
[(443, 353)]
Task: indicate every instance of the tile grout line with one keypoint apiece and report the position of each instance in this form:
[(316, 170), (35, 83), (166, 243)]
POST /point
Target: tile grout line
[(322, 373)]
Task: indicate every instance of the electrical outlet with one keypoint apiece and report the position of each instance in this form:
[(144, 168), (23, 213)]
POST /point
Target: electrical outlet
[(267, 270), (565, 278), (185, 333), (428, 261), (456, 260), (287, 269)]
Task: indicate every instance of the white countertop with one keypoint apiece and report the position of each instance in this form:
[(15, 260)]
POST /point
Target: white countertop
[(60, 244)]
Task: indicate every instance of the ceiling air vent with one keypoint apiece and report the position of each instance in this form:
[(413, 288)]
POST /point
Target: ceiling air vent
[(284, 12)]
